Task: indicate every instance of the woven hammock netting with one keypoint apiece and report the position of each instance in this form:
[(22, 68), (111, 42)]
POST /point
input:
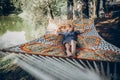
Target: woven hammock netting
[(91, 45)]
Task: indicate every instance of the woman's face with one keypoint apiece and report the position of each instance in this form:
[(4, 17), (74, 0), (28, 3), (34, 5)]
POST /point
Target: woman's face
[(61, 28), (68, 27)]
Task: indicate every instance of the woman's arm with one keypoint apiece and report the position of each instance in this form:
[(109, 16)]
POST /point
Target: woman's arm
[(58, 31), (79, 31)]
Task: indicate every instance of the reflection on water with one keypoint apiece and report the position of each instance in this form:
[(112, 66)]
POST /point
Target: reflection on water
[(14, 31), (12, 39)]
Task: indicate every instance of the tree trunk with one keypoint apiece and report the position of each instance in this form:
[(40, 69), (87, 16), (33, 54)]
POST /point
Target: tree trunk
[(70, 9), (104, 6), (97, 8), (50, 12), (94, 9), (86, 10), (101, 8), (75, 10)]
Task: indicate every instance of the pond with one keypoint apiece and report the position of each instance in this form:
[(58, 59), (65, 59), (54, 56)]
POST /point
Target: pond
[(14, 31)]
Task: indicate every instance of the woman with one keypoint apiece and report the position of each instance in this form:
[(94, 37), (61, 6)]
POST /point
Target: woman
[(69, 39)]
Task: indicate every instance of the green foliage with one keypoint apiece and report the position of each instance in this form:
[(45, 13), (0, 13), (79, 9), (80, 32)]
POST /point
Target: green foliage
[(58, 7), (37, 10)]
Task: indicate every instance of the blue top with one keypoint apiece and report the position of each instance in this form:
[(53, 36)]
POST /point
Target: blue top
[(69, 35)]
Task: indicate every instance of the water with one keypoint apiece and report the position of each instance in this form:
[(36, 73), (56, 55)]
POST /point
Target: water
[(14, 30)]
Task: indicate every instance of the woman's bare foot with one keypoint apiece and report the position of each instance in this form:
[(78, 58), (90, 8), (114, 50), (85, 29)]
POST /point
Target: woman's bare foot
[(68, 53)]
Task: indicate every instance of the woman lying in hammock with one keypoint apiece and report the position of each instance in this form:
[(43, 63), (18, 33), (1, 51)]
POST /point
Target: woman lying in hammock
[(69, 39)]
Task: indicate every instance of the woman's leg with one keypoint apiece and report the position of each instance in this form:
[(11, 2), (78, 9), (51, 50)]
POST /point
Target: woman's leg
[(73, 47), (67, 46)]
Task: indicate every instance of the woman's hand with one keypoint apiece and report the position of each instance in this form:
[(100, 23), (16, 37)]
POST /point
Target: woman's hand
[(55, 32), (81, 30)]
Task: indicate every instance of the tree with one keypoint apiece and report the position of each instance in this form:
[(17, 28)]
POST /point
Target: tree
[(98, 8), (86, 8), (78, 9), (70, 5), (6, 7), (101, 8), (50, 11)]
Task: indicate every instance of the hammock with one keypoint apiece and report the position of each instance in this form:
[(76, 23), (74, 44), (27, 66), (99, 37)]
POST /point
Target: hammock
[(94, 53), (91, 45)]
